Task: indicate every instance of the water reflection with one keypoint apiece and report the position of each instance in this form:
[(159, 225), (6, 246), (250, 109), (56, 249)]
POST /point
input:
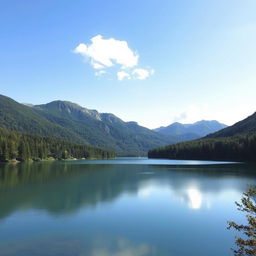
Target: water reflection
[(121, 210), (195, 198), (93, 246), (65, 188), (124, 247), (150, 190)]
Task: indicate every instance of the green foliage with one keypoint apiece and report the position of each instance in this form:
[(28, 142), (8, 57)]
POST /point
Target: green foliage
[(102, 130), (234, 143), (236, 148), (70, 122), (24, 147), (247, 244), (21, 118)]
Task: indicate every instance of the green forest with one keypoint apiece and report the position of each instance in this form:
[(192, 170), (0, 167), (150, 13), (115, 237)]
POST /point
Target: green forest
[(235, 148), (70, 122), (24, 147)]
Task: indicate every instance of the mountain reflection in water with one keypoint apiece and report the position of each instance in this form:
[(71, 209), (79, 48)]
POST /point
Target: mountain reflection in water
[(101, 209)]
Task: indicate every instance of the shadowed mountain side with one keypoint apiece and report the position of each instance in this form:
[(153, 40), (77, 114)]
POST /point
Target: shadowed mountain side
[(103, 129), (71, 122), (246, 126), (18, 117)]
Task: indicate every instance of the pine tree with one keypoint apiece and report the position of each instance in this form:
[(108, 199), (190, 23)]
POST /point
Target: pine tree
[(247, 244), (64, 154)]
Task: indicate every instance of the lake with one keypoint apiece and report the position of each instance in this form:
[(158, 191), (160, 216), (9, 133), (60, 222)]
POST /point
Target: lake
[(121, 207)]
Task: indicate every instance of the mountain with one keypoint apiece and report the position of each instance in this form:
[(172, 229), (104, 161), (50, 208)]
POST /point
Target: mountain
[(102, 129), (71, 122), (248, 125), (18, 117), (191, 131), (234, 143)]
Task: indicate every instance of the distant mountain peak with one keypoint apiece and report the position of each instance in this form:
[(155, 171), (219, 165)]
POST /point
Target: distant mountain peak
[(61, 103), (70, 122), (28, 104), (192, 130), (247, 125), (68, 107)]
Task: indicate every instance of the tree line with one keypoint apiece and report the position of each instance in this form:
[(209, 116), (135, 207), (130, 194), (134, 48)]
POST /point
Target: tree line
[(24, 147), (235, 148)]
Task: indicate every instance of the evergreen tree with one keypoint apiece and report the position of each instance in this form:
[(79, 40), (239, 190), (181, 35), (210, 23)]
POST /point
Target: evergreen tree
[(236, 148), (65, 154), (247, 244), (24, 147)]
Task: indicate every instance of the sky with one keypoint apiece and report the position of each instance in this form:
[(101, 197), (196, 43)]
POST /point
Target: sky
[(150, 61)]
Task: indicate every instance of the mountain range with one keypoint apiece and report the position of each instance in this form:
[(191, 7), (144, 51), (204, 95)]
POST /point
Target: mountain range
[(71, 122), (184, 132), (246, 126), (234, 143)]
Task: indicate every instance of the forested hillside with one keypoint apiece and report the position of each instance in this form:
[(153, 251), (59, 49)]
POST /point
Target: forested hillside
[(71, 122), (235, 143), (247, 125), (236, 148), (102, 129), (25, 147), (18, 117)]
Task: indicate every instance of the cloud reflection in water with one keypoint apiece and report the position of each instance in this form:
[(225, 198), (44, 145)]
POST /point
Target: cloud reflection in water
[(123, 248), (195, 198)]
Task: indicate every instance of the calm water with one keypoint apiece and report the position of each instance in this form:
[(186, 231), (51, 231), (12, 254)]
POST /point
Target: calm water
[(123, 207)]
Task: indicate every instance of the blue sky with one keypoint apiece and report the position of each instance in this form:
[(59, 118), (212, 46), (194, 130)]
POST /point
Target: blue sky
[(199, 57)]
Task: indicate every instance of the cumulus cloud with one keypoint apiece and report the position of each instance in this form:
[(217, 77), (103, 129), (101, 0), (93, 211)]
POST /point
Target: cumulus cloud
[(105, 53), (97, 65), (193, 113), (140, 73), (121, 75)]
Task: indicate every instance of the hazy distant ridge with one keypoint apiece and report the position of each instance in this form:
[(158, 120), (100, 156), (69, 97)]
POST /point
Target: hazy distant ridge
[(191, 131), (234, 143)]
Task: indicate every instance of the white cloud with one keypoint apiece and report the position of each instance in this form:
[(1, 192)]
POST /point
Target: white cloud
[(97, 65), (197, 112), (121, 75), (193, 113), (105, 53), (100, 72), (140, 73)]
